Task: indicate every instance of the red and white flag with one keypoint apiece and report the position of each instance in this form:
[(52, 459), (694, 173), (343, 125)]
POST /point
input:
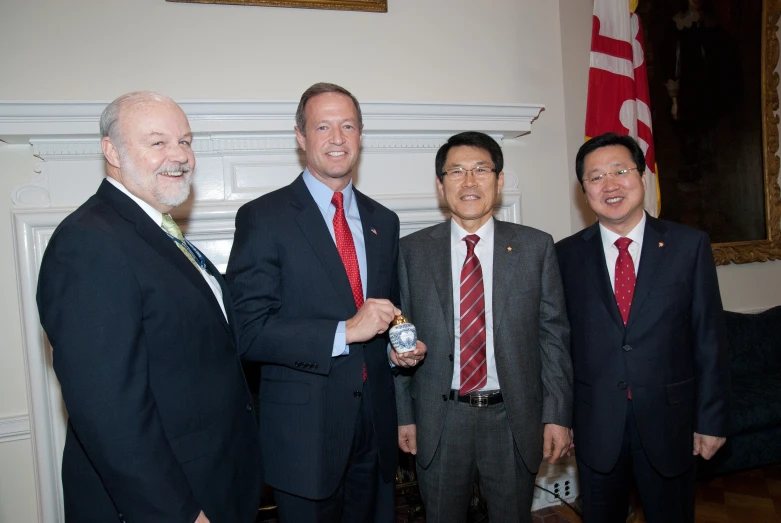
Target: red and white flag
[(618, 97)]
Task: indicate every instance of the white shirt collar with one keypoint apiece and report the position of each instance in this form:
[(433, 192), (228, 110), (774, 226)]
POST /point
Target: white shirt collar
[(153, 213), (485, 232), (636, 234)]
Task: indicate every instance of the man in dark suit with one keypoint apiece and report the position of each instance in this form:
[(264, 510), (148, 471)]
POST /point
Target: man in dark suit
[(313, 276), (648, 344), (160, 425), (495, 391)]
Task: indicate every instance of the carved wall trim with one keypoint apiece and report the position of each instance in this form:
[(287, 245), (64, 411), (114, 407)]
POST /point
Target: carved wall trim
[(14, 428)]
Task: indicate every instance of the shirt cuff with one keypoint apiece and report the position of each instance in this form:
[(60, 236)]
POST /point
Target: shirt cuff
[(340, 347)]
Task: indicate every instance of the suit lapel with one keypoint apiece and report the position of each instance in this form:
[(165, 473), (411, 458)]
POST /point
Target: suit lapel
[(155, 237), (441, 273), (651, 258), (314, 228), (505, 268), (371, 240), (596, 270)]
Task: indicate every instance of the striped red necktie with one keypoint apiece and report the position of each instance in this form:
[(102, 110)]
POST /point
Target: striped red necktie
[(473, 355)]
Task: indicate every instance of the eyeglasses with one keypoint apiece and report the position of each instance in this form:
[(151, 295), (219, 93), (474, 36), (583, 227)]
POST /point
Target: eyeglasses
[(458, 173), (599, 179)]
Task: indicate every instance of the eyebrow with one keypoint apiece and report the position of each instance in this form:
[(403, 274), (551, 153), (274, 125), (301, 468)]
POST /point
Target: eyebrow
[(154, 134)]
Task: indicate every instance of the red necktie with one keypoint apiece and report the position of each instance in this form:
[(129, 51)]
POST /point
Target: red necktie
[(625, 278), (346, 248), (624, 283), (473, 356)]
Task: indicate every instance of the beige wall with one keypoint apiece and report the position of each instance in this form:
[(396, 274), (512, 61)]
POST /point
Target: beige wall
[(508, 51)]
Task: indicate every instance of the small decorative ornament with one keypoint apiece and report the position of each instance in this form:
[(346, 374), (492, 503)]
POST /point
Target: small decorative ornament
[(661, 244), (509, 249), (403, 335)]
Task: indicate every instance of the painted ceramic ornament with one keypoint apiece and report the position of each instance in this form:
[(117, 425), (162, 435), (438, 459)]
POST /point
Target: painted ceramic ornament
[(403, 335)]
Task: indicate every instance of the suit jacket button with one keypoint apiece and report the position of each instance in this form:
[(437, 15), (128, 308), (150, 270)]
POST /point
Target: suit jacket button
[(444, 397), (450, 357), (622, 385), (627, 348), (357, 394), (248, 407)]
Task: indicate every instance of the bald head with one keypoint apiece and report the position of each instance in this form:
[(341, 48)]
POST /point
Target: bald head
[(110, 126)]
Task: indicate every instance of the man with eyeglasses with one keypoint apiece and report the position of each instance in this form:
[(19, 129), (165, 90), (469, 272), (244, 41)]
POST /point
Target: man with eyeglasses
[(648, 344), (494, 394)]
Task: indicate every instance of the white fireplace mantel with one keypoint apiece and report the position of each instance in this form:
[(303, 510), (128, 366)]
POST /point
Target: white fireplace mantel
[(243, 149), (22, 122)]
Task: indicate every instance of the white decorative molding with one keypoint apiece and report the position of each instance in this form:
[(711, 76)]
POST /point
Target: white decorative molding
[(243, 150), (12, 429), (33, 192), (21, 122)]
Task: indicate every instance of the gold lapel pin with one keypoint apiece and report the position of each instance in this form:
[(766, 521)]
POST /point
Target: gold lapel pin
[(509, 249), (661, 244)]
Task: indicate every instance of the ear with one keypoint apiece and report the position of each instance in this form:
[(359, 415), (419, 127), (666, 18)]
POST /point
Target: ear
[(110, 151), (499, 182), (440, 188), (301, 139), (643, 179)]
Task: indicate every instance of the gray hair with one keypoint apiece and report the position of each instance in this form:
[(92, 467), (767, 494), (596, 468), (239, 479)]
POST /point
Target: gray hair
[(322, 88), (110, 116)]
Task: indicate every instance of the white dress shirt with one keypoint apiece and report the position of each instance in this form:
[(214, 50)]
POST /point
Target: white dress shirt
[(484, 250), (611, 251), (157, 217)]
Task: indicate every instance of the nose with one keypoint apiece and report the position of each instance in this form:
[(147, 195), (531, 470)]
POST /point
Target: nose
[(611, 183), (469, 179), (179, 153), (337, 136)]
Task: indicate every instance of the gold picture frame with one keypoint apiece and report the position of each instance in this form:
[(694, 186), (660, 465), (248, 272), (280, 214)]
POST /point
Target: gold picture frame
[(378, 6), (715, 125), (770, 247)]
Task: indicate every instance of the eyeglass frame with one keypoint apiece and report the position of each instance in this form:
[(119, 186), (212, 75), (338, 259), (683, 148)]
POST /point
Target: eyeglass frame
[(616, 175), (448, 172)]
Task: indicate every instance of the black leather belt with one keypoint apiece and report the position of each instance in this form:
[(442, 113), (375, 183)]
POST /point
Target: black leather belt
[(476, 399)]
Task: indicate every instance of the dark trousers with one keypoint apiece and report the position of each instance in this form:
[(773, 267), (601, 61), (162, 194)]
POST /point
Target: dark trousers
[(606, 496), (476, 444), (361, 497)]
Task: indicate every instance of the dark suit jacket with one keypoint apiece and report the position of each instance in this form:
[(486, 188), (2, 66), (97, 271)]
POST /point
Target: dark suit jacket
[(531, 335), (160, 417), (291, 290), (671, 353)]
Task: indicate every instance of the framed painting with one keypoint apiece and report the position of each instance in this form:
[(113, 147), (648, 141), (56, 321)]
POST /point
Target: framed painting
[(714, 96), (380, 6)]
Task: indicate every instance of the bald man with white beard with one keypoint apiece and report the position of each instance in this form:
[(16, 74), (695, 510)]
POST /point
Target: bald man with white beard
[(161, 425)]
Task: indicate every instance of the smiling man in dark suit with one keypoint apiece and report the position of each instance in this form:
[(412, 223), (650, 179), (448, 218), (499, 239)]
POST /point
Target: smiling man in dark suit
[(313, 275), (494, 394), (648, 344), (160, 426)]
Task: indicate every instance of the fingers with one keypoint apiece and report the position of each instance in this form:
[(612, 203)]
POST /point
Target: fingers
[(408, 439)]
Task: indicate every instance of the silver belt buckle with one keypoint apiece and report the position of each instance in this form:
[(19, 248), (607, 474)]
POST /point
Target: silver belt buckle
[(478, 401)]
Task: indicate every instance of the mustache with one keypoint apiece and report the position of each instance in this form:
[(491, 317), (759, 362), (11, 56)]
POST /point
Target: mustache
[(174, 167)]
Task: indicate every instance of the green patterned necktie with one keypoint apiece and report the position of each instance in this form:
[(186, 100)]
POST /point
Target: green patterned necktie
[(169, 226)]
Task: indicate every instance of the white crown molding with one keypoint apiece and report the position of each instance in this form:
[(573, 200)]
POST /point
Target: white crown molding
[(12, 429), (27, 121)]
